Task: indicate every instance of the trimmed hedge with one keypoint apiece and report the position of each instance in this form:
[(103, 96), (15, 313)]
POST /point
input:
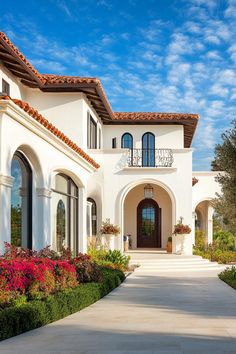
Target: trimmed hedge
[(229, 276), (37, 313)]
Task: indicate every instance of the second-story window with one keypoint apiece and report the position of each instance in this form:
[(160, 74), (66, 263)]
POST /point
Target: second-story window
[(148, 150), (5, 87), (127, 141), (92, 133)]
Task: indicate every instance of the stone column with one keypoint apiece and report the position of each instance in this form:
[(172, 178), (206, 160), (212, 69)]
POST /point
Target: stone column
[(193, 227), (42, 232), (89, 219), (209, 225), (82, 220), (6, 183)]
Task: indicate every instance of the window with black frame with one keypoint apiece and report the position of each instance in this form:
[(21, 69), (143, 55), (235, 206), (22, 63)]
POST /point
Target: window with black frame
[(65, 213), (127, 141), (148, 150), (21, 202), (92, 133), (94, 216)]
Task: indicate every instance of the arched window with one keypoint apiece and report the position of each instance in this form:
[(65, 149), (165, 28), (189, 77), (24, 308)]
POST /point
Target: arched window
[(21, 202), (127, 141), (65, 213), (94, 216), (61, 225), (148, 150)]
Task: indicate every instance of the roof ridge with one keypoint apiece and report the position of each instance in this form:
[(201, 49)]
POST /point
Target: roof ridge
[(32, 112)]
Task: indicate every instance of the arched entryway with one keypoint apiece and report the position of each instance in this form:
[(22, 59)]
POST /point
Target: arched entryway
[(204, 219), (148, 224), (161, 208)]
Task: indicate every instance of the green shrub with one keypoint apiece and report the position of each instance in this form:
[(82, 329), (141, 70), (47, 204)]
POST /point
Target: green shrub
[(224, 240), (200, 240), (229, 276), (36, 313), (114, 259)]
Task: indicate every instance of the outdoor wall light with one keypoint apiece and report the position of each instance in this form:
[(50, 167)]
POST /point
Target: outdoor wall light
[(148, 191)]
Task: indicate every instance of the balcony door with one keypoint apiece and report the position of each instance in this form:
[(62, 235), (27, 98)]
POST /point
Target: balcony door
[(148, 150), (148, 224)]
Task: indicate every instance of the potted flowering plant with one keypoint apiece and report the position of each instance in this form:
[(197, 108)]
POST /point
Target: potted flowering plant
[(109, 231), (182, 242)]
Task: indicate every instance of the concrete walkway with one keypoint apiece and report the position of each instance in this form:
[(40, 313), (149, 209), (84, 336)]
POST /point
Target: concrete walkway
[(153, 311)]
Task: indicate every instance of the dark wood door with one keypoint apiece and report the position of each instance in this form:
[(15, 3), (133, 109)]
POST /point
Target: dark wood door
[(148, 224)]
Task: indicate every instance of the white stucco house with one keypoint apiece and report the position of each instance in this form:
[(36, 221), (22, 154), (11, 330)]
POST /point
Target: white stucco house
[(69, 162)]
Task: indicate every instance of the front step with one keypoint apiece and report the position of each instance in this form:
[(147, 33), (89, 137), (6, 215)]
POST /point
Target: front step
[(174, 263)]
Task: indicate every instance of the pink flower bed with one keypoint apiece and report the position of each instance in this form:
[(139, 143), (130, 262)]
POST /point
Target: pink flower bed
[(33, 274)]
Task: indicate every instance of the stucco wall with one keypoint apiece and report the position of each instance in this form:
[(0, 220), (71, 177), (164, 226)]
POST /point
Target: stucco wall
[(68, 111), (166, 136), (46, 155), (119, 180), (206, 187), (17, 90)]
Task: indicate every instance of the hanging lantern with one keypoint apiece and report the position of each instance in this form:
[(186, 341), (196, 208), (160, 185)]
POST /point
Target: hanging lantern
[(148, 191)]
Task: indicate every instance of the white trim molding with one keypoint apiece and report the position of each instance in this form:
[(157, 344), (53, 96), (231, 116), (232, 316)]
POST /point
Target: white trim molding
[(44, 192), (6, 181)]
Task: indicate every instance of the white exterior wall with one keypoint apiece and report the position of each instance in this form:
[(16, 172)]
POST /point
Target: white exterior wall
[(46, 155), (166, 136), (17, 90), (68, 111), (119, 180), (206, 187)]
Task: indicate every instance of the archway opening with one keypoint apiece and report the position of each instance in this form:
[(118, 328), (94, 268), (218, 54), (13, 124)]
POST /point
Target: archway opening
[(148, 221), (204, 220)]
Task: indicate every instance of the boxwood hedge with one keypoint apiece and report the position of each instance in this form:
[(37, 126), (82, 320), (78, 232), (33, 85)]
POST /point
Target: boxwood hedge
[(37, 313)]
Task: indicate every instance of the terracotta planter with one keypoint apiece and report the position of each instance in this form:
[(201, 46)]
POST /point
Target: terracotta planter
[(169, 247)]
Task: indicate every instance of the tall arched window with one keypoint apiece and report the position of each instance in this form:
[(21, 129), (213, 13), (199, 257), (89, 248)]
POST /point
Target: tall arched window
[(148, 150), (94, 216), (65, 213), (127, 141), (21, 202), (61, 225)]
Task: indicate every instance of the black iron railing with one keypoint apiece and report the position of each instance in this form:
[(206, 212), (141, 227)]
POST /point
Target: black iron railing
[(150, 158)]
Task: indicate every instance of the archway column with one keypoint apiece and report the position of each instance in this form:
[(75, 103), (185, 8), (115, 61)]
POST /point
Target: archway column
[(44, 196), (209, 223), (82, 220), (6, 184)]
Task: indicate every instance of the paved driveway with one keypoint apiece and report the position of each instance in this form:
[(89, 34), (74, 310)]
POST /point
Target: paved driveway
[(157, 312)]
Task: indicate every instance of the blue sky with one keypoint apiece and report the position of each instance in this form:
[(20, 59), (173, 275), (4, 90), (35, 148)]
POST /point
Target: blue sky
[(151, 55)]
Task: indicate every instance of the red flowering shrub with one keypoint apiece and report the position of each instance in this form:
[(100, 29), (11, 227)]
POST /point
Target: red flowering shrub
[(86, 269), (36, 274)]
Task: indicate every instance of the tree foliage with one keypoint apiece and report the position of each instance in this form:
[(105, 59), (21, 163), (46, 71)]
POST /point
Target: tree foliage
[(225, 160)]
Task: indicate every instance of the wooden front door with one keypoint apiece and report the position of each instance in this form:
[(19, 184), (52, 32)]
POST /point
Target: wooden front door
[(148, 224)]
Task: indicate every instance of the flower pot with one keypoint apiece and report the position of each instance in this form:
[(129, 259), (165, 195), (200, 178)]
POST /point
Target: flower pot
[(182, 244), (109, 241), (169, 247)]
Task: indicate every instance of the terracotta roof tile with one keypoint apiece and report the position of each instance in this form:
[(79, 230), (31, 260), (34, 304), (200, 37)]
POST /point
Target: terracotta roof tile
[(23, 59), (153, 116), (62, 79), (54, 130), (194, 181)]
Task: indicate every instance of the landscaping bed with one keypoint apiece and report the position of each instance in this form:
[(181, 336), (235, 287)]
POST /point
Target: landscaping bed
[(37, 288), (229, 276)]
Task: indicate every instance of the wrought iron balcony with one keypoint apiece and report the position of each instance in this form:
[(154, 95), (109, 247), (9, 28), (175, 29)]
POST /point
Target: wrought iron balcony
[(150, 158)]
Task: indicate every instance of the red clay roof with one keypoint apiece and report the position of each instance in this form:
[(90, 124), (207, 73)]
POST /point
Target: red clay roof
[(9, 45), (153, 116), (49, 126), (188, 120), (15, 61)]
